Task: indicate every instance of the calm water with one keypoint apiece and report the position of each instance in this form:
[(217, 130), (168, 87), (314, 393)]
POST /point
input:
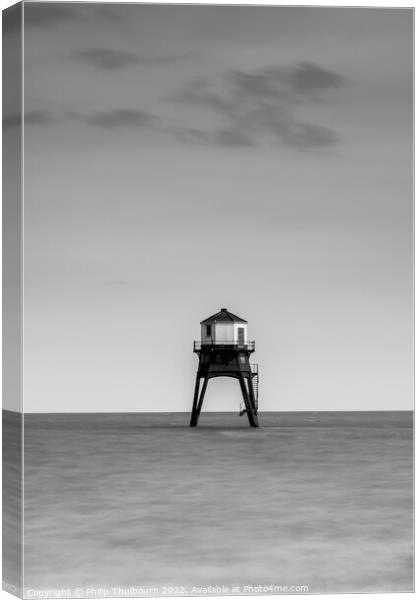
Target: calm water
[(316, 499)]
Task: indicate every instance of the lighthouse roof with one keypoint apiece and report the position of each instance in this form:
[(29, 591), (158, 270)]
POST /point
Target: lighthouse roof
[(224, 316)]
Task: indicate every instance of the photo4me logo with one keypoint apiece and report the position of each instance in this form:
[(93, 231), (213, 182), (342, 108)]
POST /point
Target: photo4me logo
[(216, 590)]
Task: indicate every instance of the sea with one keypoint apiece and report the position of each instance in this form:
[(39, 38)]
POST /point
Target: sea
[(140, 504)]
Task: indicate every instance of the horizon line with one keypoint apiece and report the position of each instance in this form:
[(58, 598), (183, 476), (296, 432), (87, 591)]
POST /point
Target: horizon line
[(173, 412)]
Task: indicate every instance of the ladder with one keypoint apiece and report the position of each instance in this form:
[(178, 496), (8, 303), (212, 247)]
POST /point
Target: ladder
[(255, 381), (255, 388)]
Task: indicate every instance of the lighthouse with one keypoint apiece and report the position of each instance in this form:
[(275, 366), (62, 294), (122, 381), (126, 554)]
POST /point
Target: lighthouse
[(224, 351)]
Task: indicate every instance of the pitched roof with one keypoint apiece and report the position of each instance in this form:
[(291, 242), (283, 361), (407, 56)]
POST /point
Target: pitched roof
[(224, 316)]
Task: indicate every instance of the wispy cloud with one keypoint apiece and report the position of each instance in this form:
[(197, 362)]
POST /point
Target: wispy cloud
[(109, 59), (111, 12), (121, 118), (241, 109), (47, 14), (260, 106), (163, 60), (106, 119), (37, 117), (50, 14)]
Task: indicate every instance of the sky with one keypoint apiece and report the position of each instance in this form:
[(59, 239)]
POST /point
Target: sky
[(180, 159)]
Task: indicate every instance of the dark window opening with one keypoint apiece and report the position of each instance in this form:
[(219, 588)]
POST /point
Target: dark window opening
[(208, 330)]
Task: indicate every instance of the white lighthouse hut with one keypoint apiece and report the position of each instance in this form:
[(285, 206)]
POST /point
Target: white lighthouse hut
[(224, 328)]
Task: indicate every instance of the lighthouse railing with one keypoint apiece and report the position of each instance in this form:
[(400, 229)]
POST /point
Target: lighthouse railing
[(224, 344)]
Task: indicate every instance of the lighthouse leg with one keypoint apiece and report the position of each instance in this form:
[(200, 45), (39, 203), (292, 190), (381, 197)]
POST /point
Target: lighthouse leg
[(252, 401), (200, 402), (193, 421), (253, 421)]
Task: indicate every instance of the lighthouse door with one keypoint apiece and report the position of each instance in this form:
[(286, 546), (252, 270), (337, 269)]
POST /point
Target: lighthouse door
[(241, 336)]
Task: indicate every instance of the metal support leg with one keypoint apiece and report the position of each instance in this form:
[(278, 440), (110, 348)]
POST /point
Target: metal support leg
[(200, 402), (252, 418), (193, 421)]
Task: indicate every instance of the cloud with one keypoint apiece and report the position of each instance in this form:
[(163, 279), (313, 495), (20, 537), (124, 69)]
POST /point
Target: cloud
[(232, 138), (307, 136), (121, 118), (37, 117), (106, 58), (299, 81), (261, 106), (306, 78), (189, 135), (34, 117), (239, 109), (109, 59), (163, 60), (47, 14), (222, 137), (112, 13)]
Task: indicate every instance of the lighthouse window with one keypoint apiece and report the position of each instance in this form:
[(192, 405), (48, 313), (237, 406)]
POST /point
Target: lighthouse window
[(208, 330)]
